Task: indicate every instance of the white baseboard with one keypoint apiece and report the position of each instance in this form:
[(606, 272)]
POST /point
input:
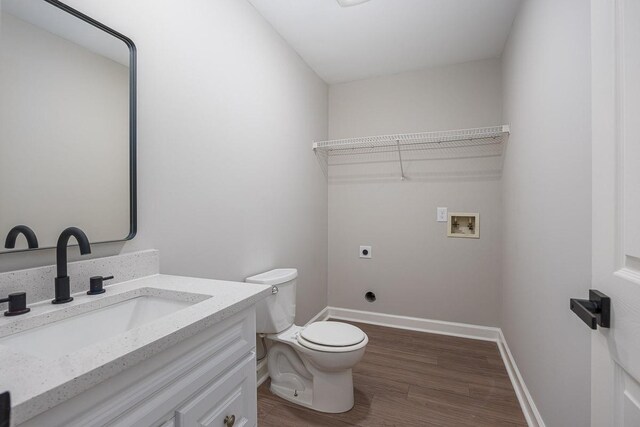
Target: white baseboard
[(531, 413), (484, 333), (464, 330), (262, 371), (323, 315)]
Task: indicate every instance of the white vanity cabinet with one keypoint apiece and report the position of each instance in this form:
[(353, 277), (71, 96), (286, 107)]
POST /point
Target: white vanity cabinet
[(208, 379), (229, 401)]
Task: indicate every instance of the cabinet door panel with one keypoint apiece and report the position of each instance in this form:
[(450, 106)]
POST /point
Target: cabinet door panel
[(231, 397)]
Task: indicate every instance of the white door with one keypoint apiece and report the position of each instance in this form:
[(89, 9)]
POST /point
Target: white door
[(615, 352)]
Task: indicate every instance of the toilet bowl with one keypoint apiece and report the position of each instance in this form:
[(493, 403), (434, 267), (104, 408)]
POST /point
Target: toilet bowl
[(308, 365)]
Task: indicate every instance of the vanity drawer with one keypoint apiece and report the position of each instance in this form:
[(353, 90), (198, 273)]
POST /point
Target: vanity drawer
[(226, 402)]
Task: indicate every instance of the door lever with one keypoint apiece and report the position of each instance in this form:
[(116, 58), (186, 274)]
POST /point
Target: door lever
[(5, 409), (594, 311)]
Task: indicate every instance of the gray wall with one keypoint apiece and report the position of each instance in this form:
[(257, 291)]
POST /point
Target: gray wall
[(416, 270), (547, 204), (228, 184)]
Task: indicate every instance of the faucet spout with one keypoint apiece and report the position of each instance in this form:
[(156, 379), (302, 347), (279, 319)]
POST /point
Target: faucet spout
[(32, 240), (62, 282), (61, 247)]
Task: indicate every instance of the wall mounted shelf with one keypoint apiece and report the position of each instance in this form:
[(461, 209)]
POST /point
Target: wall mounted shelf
[(451, 144)]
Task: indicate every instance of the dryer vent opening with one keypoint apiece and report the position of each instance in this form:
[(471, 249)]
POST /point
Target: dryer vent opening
[(370, 296)]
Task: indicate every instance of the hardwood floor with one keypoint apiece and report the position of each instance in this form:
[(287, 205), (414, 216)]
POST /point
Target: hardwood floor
[(411, 378)]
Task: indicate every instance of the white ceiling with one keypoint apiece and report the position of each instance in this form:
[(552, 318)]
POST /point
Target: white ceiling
[(68, 27), (383, 37)]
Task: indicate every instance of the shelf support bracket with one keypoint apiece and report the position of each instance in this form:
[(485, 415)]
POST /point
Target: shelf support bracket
[(400, 158)]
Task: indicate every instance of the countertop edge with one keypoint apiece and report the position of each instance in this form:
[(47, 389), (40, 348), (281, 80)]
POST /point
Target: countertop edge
[(42, 402)]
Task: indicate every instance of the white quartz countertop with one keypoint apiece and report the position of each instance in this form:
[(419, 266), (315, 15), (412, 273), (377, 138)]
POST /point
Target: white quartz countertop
[(40, 383)]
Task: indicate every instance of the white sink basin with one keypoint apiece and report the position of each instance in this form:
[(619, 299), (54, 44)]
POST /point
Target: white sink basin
[(66, 336)]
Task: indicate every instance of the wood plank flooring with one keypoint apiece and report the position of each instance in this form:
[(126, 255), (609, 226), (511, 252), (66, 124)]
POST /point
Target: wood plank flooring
[(411, 378)]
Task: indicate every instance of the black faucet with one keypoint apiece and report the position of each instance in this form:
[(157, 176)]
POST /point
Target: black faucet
[(28, 233), (63, 290)]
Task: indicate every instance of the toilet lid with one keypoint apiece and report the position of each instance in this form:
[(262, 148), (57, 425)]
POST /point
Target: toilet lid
[(333, 334)]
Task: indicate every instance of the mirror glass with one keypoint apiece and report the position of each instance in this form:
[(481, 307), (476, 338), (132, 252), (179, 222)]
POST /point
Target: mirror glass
[(67, 124)]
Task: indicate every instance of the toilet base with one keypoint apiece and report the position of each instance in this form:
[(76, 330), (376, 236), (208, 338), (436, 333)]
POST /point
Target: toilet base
[(295, 379), (333, 401)]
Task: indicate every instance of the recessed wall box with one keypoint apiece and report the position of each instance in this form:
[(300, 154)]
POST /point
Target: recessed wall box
[(463, 225), (365, 252)]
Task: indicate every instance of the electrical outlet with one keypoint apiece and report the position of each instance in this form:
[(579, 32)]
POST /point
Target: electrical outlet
[(442, 215), (365, 252)]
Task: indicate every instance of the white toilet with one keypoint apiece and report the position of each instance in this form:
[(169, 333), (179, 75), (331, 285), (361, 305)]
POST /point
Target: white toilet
[(308, 365)]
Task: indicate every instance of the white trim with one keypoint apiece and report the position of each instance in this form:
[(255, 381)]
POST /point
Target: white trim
[(628, 274), (262, 372), (531, 413), (464, 330), (323, 315), (262, 369)]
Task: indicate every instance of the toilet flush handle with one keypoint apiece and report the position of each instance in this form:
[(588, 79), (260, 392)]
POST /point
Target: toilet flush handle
[(274, 290)]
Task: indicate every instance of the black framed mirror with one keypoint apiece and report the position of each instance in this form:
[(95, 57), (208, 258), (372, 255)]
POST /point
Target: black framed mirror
[(67, 124)]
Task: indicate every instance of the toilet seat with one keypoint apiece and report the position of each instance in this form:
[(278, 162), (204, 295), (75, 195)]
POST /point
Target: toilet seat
[(332, 337)]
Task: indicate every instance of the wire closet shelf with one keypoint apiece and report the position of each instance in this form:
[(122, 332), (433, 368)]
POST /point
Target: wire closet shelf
[(456, 143)]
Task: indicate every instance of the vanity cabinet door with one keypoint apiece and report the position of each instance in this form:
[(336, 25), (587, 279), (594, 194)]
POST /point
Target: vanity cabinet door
[(229, 401)]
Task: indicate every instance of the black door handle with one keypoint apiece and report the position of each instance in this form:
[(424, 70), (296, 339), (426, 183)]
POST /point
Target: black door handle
[(594, 311), (5, 409)]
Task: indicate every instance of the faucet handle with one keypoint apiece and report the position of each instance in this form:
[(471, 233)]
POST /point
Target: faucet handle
[(96, 284), (17, 304)]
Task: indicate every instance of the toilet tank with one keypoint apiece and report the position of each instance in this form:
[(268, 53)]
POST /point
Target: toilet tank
[(276, 313)]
